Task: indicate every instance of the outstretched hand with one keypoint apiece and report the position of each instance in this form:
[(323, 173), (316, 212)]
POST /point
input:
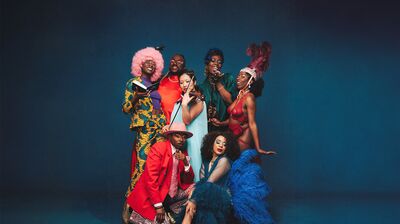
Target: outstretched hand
[(264, 152), (216, 122)]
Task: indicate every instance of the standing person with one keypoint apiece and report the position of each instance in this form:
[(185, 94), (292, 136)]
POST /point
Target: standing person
[(192, 111), (147, 118), (210, 201), (218, 88), (167, 175), (169, 88)]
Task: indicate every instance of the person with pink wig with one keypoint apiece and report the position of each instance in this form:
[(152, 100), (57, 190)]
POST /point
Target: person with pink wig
[(144, 107)]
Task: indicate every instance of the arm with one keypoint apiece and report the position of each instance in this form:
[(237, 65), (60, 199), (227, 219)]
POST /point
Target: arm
[(251, 112), (131, 98), (225, 94), (220, 170), (186, 174), (218, 123), (202, 171), (227, 91), (188, 115)]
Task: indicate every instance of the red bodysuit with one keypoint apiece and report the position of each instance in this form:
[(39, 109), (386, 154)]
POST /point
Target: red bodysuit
[(236, 113)]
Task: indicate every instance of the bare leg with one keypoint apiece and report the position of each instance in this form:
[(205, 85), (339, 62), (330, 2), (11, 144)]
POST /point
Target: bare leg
[(125, 214), (188, 218)]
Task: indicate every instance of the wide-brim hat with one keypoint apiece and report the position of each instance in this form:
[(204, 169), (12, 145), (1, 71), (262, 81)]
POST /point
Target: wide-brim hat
[(178, 127)]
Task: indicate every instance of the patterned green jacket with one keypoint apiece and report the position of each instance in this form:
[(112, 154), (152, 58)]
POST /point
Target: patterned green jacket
[(141, 111)]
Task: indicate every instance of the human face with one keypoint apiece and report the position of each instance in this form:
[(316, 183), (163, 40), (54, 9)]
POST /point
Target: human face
[(215, 64), (149, 67), (242, 79), (219, 146), (177, 64), (177, 140), (185, 82)]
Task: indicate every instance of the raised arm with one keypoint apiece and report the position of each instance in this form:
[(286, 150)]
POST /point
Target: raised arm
[(189, 114), (225, 94)]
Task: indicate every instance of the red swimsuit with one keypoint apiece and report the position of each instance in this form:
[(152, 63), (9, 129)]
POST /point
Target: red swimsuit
[(238, 114)]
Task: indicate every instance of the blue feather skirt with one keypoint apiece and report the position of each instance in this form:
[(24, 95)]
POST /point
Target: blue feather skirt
[(249, 190), (213, 204)]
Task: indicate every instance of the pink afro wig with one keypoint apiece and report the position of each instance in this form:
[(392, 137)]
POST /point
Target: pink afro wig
[(146, 54)]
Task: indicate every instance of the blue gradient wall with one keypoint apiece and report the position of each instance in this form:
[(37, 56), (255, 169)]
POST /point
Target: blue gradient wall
[(330, 106)]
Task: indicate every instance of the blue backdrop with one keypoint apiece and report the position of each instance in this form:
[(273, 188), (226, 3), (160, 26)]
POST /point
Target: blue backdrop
[(330, 106)]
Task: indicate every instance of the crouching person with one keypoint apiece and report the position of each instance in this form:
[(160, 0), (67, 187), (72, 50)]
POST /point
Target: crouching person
[(163, 187)]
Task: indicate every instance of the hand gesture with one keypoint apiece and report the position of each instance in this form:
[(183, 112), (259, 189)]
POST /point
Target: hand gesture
[(216, 71), (165, 129), (180, 156), (216, 122), (191, 208), (160, 215), (186, 98)]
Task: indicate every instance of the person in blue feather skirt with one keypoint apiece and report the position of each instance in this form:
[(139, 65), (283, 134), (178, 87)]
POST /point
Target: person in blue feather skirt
[(210, 201)]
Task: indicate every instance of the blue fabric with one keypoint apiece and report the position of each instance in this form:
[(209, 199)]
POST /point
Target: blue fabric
[(213, 203), (222, 181), (249, 190), (212, 199)]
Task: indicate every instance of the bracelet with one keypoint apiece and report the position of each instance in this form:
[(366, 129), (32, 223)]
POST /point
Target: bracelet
[(220, 87)]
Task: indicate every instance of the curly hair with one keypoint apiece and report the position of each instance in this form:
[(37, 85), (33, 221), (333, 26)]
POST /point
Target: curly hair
[(146, 54), (212, 52), (232, 147), (257, 87)]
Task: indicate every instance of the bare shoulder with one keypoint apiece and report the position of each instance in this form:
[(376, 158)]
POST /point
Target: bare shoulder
[(224, 161)]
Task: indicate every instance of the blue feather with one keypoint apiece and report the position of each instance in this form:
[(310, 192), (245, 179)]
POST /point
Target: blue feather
[(249, 190)]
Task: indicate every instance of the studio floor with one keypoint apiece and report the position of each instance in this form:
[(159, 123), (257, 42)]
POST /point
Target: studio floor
[(106, 208)]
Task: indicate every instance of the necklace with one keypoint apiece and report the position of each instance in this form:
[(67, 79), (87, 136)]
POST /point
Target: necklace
[(240, 96), (242, 93)]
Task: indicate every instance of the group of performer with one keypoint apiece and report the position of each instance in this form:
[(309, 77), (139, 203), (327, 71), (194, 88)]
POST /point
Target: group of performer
[(196, 152)]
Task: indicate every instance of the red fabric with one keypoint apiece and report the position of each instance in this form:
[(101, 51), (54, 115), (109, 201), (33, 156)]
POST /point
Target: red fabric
[(170, 92), (153, 186), (174, 183), (236, 112)]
